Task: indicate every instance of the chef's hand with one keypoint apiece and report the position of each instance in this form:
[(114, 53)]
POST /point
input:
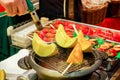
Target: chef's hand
[(14, 7)]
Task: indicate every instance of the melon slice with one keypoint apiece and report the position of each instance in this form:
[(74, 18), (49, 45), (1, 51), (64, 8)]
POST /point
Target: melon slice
[(43, 49), (2, 74), (63, 40), (86, 45), (76, 56)]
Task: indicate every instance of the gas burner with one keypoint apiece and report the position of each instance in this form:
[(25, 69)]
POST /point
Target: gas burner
[(109, 65), (99, 75)]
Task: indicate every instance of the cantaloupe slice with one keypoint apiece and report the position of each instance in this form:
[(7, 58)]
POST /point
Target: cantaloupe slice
[(2, 74), (76, 56), (43, 49), (63, 40), (85, 44)]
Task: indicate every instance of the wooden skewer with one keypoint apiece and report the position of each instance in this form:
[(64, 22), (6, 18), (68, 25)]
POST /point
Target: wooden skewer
[(30, 38), (75, 29), (52, 26), (66, 69), (70, 63)]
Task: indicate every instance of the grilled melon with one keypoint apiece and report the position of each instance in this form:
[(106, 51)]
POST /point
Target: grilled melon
[(86, 45), (63, 40), (76, 56), (43, 49)]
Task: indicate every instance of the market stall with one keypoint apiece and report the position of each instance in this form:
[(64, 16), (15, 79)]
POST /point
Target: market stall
[(63, 50), (108, 67)]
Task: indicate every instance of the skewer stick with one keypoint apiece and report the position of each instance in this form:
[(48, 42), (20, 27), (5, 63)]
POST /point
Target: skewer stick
[(30, 38), (75, 29), (70, 63), (66, 68), (52, 26)]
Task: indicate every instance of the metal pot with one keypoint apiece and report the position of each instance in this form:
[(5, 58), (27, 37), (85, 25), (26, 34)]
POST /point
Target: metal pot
[(52, 74)]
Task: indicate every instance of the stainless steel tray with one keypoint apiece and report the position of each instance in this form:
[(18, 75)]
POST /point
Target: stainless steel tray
[(94, 27)]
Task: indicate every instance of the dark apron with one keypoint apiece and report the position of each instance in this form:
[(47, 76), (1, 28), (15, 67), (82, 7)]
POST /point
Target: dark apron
[(54, 9)]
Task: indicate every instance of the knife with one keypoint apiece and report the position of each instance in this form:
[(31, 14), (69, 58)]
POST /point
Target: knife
[(32, 12)]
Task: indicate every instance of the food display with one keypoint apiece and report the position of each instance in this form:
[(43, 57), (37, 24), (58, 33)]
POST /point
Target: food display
[(82, 45), (112, 49), (78, 44), (103, 39), (74, 56)]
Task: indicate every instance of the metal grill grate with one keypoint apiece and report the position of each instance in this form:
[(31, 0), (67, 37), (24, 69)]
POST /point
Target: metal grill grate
[(58, 62)]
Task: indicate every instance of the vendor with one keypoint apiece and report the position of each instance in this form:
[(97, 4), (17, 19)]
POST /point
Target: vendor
[(10, 7), (61, 9), (69, 9), (14, 7), (49, 8)]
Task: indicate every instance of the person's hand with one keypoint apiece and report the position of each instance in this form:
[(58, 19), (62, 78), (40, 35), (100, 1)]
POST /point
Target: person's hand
[(14, 7)]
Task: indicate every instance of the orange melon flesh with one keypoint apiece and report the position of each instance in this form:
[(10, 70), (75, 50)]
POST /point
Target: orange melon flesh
[(2, 74), (76, 56), (86, 45)]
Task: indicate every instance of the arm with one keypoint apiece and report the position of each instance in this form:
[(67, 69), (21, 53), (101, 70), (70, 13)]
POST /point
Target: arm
[(14, 7)]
